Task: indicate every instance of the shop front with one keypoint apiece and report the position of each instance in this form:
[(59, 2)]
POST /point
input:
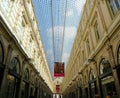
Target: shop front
[(85, 93), (92, 85), (11, 89), (80, 92), (107, 84)]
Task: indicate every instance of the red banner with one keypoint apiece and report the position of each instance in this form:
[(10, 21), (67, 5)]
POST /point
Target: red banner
[(58, 69)]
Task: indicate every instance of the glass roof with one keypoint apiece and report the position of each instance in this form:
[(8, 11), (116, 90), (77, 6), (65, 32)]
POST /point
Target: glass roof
[(58, 21)]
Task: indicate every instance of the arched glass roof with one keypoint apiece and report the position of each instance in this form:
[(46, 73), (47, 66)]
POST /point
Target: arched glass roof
[(58, 21)]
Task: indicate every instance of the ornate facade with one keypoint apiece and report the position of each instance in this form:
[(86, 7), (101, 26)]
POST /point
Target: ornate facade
[(94, 65), (24, 70)]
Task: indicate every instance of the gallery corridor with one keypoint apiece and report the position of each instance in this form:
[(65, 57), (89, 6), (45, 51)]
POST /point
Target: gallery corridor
[(59, 48)]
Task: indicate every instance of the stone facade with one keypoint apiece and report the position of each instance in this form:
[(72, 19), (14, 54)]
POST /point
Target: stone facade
[(24, 70), (94, 65)]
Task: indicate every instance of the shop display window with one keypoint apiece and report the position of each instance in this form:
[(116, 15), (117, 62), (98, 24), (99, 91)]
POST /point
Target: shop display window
[(13, 79), (106, 80)]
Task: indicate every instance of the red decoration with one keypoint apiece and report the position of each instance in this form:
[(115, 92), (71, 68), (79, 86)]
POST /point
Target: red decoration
[(58, 69)]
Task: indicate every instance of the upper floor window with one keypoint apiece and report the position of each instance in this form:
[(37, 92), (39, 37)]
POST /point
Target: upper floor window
[(88, 46), (1, 53), (14, 65), (104, 66), (81, 81), (26, 75), (115, 5), (97, 30), (92, 75)]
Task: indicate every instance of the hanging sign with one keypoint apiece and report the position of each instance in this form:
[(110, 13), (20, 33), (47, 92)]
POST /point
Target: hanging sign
[(59, 69)]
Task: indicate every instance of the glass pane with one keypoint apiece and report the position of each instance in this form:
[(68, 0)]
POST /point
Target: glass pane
[(92, 90), (23, 90), (84, 94), (14, 65), (92, 75), (26, 75), (105, 66), (108, 87), (117, 4), (114, 10), (96, 30)]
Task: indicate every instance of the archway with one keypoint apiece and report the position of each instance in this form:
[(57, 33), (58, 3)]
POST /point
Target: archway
[(107, 84), (92, 84), (13, 79)]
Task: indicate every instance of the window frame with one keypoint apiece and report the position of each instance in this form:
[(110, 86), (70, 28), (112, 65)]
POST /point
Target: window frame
[(110, 8), (96, 30), (14, 65)]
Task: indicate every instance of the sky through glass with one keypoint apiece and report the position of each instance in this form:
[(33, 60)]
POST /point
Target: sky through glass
[(61, 17)]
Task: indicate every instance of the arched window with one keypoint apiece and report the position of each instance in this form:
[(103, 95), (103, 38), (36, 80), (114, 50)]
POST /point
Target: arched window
[(92, 75), (14, 65), (26, 75), (81, 82), (105, 66), (115, 6), (1, 53), (13, 79), (106, 79)]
